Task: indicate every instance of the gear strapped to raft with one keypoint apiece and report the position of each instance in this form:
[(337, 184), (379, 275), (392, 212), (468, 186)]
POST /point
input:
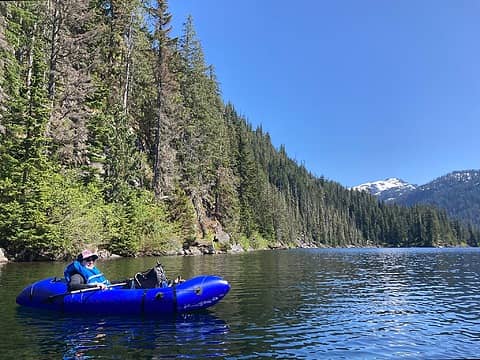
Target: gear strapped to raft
[(152, 278)]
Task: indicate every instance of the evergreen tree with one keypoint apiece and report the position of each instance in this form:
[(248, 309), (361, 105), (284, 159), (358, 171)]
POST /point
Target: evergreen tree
[(165, 109), (202, 141), (24, 225), (71, 37)]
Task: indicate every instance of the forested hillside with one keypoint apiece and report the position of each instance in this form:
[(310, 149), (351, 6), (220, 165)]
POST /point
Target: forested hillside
[(113, 134), (457, 192)]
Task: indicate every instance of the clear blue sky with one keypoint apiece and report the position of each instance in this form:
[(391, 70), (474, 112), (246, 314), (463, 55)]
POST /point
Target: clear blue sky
[(356, 90)]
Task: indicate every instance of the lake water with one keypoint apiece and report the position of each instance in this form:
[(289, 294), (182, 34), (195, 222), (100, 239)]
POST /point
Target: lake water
[(297, 304)]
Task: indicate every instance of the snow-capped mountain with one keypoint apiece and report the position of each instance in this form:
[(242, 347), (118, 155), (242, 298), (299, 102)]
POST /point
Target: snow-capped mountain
[(388, 189), (457, 192)]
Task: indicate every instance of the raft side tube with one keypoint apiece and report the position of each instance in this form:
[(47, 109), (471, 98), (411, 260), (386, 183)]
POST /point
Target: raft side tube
[(201, 292), (43, 294)]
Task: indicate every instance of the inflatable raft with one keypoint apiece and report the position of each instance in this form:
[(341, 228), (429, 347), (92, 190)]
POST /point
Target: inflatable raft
[(197, 293)]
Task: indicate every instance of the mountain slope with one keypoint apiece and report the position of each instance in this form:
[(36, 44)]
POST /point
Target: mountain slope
[(457, 192)]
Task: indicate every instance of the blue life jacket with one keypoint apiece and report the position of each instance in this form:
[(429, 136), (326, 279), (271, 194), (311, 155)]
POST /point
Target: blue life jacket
[(89, 275)]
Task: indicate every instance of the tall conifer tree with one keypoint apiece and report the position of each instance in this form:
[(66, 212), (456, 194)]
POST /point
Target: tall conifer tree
[(23, 157), (165, 101), (202, 146)]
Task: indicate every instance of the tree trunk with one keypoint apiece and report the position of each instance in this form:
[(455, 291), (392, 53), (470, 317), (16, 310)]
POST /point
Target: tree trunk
[(158, 125), (129, 42), (56, 23)]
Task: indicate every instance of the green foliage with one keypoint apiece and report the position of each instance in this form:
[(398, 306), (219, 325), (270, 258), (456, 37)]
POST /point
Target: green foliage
[(257, 241), (244, 242), (459, 198), (142, 227), (182, 212), (24, 221), (202, 141), (24, 224), (78, 214), (227, 201), (55, 220)]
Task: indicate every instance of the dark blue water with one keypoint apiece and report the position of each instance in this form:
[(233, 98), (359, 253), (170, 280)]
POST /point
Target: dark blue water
[(310, 304)]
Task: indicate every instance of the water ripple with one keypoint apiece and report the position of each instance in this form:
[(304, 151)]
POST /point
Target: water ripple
[(371, 304), (302, 304)]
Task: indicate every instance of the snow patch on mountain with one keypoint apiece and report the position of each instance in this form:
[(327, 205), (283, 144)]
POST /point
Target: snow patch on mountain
[(391, 185)]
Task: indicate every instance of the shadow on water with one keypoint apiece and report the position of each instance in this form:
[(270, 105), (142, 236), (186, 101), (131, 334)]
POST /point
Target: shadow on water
[(54, 336)]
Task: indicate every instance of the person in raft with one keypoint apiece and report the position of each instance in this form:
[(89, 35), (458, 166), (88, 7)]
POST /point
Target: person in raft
[(83, 274)]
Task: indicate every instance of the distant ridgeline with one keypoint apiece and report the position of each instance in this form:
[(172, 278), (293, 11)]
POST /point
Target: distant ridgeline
[(114, 135), (457, 192)]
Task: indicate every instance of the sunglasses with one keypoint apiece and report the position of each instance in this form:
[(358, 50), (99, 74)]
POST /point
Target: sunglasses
[(90, 259)]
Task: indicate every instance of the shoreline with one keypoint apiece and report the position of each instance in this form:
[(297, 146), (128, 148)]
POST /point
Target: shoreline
[(209, 250)]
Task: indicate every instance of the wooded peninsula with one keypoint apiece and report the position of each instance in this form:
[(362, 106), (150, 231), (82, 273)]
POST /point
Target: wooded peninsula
[(114, 136)]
